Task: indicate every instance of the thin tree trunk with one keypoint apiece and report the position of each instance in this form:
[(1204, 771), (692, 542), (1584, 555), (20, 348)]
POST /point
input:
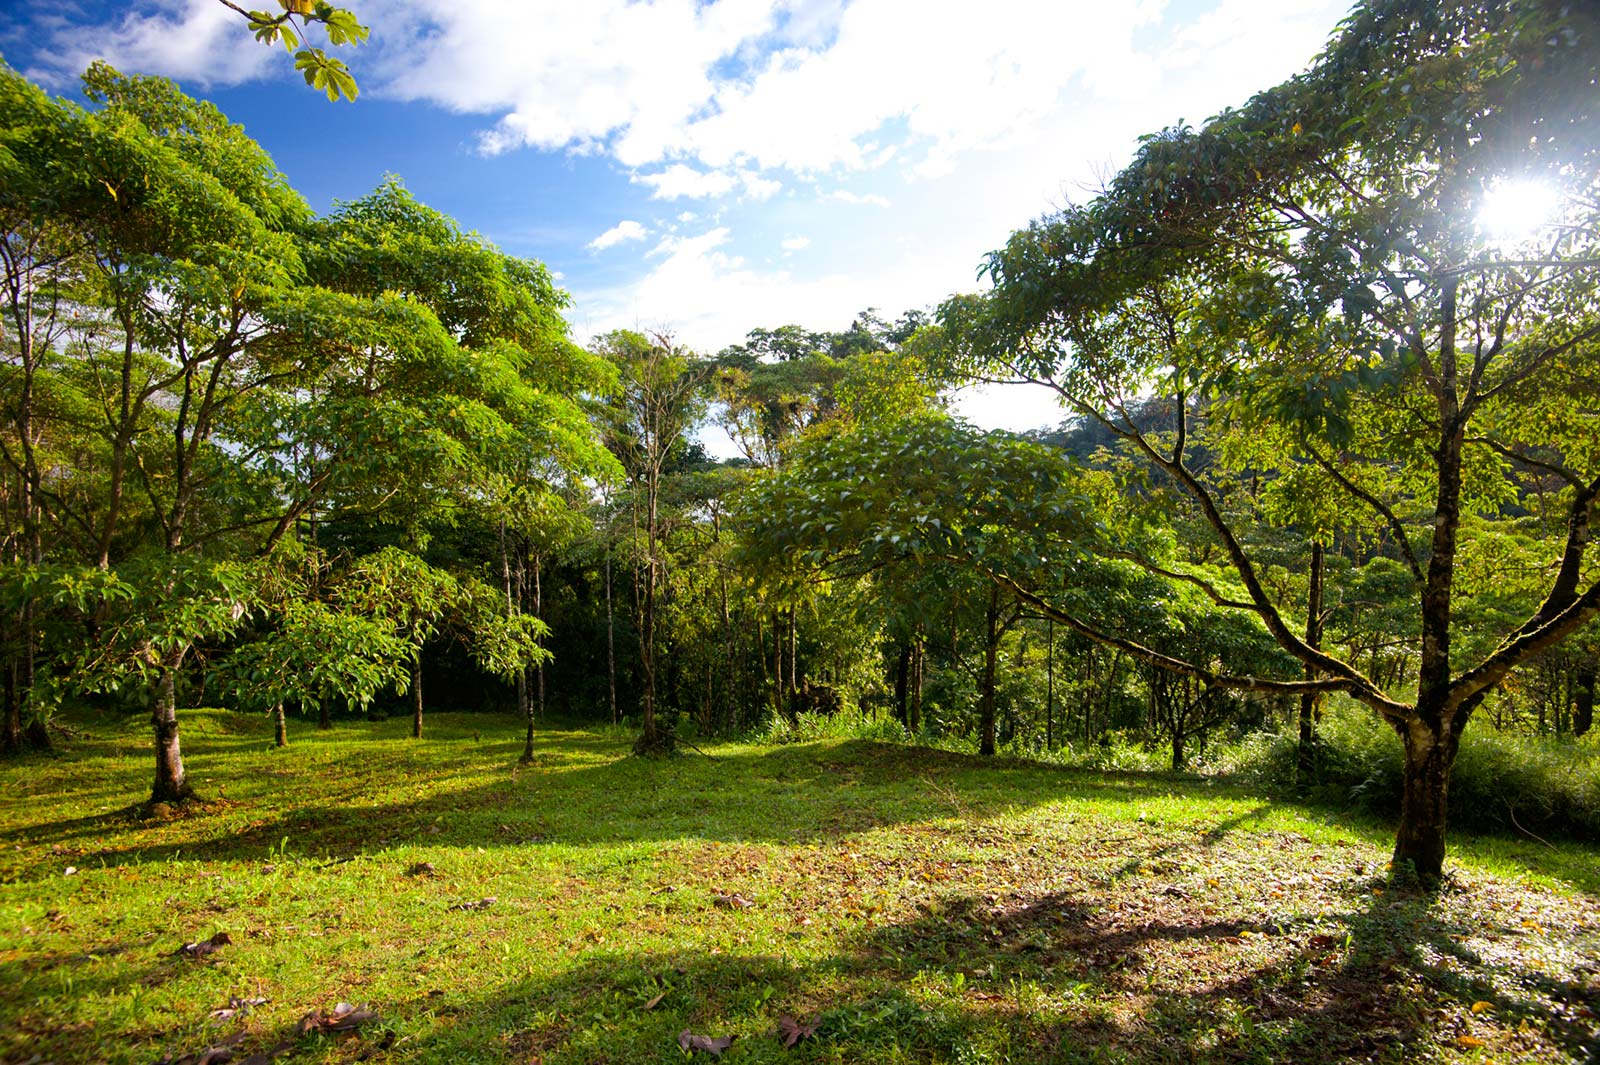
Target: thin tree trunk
[(1583, 699), (902, 681), (280, 726), (518, 604), (794, 654), (1050, 684), (324, 718), (538, 612), (171, 784), (991, 647), (416, 693), (611, 639), (777, 662), (918, 662), (11, 739), (1311, 702)]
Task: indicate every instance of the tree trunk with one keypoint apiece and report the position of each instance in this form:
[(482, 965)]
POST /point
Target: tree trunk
[(1583, 699), (991, 647), (416, 694), (171, 784), (1419, 844), (1177, 750), (538, 612), (902, 680), (1050, 685), (611, 641), (1311, 702), (524, 702), (11, 737), (324, 718), (280, 726), (777, 662), (527, 744), (918, 660), (794, 654)]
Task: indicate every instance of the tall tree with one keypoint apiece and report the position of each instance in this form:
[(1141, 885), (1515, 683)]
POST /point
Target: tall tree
[(1318, 261), (662, 392)]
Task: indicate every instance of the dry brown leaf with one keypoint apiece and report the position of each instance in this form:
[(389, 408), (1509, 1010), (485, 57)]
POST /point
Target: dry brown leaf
[(792, 1031), (713, 1046), (343, 1018), (653, 1003), (203, 947)]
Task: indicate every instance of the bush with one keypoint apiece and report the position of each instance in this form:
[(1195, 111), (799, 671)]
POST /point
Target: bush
[(848, 725), (1502, 782)]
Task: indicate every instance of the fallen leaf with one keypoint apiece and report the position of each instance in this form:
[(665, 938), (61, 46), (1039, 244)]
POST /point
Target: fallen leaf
[(343, 1018), (481, 904), (1469, 1042), (792, 1031), (205, 946), (1482, 1007), (1322, 941), (237, 1006), (689, 1041), (653, 1003)]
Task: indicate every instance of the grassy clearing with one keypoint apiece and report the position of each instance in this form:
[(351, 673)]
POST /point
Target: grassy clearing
[(918, 905)]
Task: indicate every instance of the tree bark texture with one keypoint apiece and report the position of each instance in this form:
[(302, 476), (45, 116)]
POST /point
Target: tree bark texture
[(1420, 843), (171, 784)]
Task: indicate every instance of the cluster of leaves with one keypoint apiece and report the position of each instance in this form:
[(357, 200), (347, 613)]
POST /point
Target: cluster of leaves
[(320, 70)]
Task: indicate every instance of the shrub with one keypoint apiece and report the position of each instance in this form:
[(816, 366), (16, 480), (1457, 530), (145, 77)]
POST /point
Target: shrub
[(849, 725), (1502, 782)]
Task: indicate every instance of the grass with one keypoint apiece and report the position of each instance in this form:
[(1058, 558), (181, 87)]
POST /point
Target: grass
[(915, 905)]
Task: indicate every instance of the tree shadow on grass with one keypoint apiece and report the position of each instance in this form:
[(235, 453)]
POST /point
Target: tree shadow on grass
[(1058, 977), (593, 794)]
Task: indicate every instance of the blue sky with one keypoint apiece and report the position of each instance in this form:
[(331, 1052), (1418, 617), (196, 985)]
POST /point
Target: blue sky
[(707, 168)]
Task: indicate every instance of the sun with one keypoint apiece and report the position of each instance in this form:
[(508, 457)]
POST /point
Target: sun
[(1517, 210)]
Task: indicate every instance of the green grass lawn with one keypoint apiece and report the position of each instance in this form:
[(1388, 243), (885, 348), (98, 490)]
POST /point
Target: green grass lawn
[(914, 905)]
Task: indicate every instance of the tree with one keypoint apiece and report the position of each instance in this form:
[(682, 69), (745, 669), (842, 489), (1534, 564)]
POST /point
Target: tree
[(1314, 264), (148, 617), (419, 602), (218, 369), (312, 655), (662, 393)]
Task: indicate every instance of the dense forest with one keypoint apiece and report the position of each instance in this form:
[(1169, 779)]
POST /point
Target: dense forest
[(1328, 457)]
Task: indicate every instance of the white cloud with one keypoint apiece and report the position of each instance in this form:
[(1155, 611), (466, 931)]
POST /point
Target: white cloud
[(627, 229), (685, 217), (757, 187), (679, 180), (796, 243), (195, 40), (871, 199), (714, 98)]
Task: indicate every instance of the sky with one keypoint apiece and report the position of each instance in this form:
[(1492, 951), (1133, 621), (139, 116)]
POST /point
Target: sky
[(707, 168)]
